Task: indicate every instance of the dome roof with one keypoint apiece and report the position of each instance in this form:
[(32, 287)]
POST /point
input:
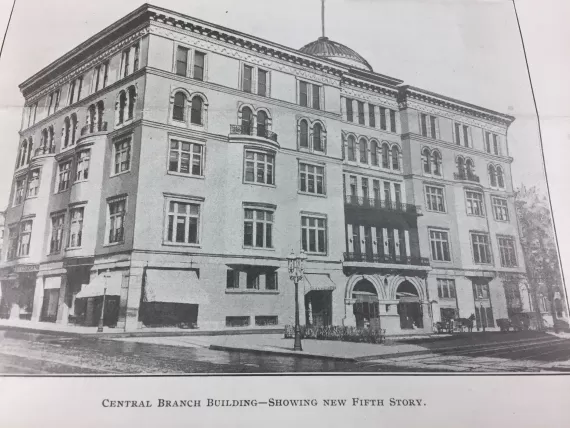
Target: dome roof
[(325, 48)]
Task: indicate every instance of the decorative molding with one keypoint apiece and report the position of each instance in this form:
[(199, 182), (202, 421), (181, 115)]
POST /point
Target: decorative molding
[(369, 92), (236, 51)]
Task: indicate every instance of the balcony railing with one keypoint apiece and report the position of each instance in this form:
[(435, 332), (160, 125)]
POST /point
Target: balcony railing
[(44, 151), (249, 130), (94, 127), (386, 259), (469, 176), (380, 204)]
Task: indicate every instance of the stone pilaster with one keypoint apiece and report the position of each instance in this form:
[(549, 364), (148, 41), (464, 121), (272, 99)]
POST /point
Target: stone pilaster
[(38, 298), (63, 308), (349, 320), (133, 300)]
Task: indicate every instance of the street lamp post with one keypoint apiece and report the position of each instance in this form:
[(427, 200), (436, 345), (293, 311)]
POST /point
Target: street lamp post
[(296, 265), (483, 320), (101, 320)]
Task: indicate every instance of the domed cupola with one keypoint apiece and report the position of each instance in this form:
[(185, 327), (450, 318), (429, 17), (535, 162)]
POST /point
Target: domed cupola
[(323, 47)]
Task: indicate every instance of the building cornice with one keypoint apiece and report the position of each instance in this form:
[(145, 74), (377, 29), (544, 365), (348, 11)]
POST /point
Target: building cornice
[(408, 94)]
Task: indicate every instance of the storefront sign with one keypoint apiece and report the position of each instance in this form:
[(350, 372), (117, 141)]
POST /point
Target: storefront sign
[(26, 268)]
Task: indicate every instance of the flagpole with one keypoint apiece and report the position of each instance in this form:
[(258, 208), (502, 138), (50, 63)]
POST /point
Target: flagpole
[(323, 16)]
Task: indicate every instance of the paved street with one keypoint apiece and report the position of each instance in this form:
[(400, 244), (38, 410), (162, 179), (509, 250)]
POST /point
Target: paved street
[(35, 353)]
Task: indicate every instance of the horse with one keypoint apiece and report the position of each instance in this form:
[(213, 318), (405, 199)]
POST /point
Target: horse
[(466, 322)]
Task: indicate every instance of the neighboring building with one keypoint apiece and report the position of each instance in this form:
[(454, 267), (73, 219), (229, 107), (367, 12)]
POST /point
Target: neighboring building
[(173, 164), (2, 217)]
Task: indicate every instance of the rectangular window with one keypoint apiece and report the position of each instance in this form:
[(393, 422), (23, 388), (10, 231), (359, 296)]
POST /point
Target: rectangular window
[(259, 167), (435, 200), (238, 321), (439, 241), (33, 183), (181, 61), (360, 112), (258, 228), (304, 94), (481, 291), (19, 189), (182, 222), (82, 165), (507, 250), (116, 221), (316, 95), (57, 227), (122, 156), (262, 83), (247, 78), (364, 185), (371, 116), (383, 125), (105, 74), (75, 227), (428, 125), (51, 103), (57, 99), (314, 234), (266, 320), (398, 195), (353, 191), (481, 248), (496, 145), (312, 178), (252, 280), (136, 52), (79, 87), (271, 281), (474, 203), (185, 158), (64, 170), (376, 190), (500, 209), (392, 121), (199, 63), (125, 63), (446, 288), (349, 111), (24, 238), (12, 243), (462, 134), (232, 279)]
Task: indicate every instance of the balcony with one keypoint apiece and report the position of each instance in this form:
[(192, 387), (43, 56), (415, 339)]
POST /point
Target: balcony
[(93, 128), (381, 204), (386, 259), (41, 151), (261, 132), (466, 176)]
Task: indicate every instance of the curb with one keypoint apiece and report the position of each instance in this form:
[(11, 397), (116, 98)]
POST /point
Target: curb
[(282, 353), (48, 332)]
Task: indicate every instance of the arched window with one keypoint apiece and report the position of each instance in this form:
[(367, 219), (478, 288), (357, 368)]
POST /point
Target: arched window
[(500, 177), (436, 160), (196, 110), (45, 140), (351, 148), (132, 101), (470, 169), (395, 158), (492, 176), (66, 131), (363, 148), (100, 112), (73, 128), (51, 135), (246, 121), (318, 138), (23, 152), (91, 113), (374, 153), (121, 105), (178, 110), (30, 148), (426, 160), (385, 155), (460, 167), (303, 134), (262, 123)]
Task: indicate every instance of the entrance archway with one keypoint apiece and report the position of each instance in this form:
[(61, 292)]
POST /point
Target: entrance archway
[(409, 306), (366, 308)]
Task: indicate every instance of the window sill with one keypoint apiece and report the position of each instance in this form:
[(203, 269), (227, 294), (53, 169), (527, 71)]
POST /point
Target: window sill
[(113, 244), (250, 291), (61, 191), (80, 181), (181, 174), (318, 195), (54, 253), (435, 211), (273, 186), (72, 248), (181, 244), (308, 253), (502, 221), (31, 197), (258, 248), (120, 173), (476, 215)]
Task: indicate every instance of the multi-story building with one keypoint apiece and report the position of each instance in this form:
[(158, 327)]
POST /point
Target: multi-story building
[(171, 165)]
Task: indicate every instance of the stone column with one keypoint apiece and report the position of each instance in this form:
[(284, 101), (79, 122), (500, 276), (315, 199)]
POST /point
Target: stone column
[(133, 301), (349, 320), (38, 299), (63, 308)]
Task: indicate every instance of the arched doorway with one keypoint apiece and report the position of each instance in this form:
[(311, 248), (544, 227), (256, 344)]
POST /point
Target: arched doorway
[(366, 308), (409, 306)]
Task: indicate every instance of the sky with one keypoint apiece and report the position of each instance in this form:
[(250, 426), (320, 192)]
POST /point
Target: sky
[(466, 49)]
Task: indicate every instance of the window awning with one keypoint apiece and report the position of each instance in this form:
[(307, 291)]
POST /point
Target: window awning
[(111, 281), (173, 286), (318, 282), (52, 282)]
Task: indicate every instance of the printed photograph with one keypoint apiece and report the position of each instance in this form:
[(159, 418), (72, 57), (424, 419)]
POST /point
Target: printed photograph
[(224, 187)]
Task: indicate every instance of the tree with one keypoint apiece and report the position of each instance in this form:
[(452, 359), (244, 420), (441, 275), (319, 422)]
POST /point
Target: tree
[(539, 246)]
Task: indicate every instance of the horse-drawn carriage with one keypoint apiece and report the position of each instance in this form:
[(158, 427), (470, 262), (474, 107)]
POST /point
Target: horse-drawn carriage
[(455, 325)]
